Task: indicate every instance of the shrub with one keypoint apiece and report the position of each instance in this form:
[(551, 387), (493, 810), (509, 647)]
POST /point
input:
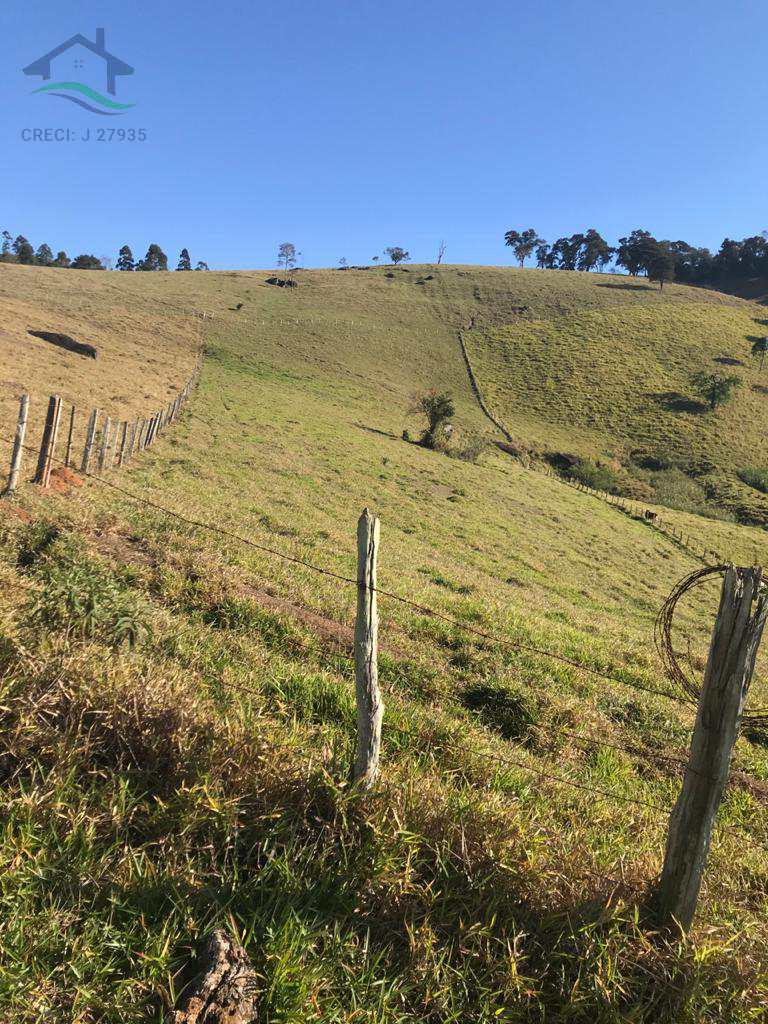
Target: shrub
[(474, 446), (654, 461), (676, 489), (757, 478), (594, 474), (439, 409)]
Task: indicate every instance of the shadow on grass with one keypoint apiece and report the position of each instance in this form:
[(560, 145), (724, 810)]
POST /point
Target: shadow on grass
[(64, 341), (675, 401), (627, 287), (375, 430), (728, 361)]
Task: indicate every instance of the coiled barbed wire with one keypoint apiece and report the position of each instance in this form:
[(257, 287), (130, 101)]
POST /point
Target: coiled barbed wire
[(672, 662)]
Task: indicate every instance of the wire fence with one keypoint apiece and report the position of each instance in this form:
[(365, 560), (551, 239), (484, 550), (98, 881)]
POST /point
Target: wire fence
[(687, 697), (92, 441)]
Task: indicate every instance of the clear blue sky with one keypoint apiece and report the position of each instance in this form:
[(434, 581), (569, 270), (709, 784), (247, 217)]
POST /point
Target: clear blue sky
[(345, 127)]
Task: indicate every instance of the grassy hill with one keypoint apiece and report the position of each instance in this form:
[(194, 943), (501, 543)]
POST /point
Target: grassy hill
[(600, 367), (174, 749), (144, 354)]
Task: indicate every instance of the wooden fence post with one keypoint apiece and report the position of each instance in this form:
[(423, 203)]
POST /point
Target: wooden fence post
[(104, 444), (50, 429), (52, 445), (733, 649), (113, 446), (131, 445), (18, 446), (370, 709), (90, 439), (70, 437), (123, 438)]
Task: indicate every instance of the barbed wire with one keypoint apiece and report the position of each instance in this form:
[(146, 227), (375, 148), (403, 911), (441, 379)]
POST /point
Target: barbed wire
[(391, 595), (663, 628), (493, 756)]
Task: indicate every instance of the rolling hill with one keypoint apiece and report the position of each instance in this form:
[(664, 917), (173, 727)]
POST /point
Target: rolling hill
[(143, 357), (177, 712)]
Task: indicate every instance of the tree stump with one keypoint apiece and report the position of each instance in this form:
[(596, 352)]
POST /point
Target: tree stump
[(225, 991)]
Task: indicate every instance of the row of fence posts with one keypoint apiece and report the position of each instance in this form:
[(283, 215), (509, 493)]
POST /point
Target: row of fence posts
[(654, 518), (733, 649), (110, 445)]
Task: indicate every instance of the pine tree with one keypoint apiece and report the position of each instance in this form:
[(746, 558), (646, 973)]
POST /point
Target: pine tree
[(22, 250), (62, 260), (154, 260), (125, 259), (44, 256), (6, 253), (201, 265), (184, 261)]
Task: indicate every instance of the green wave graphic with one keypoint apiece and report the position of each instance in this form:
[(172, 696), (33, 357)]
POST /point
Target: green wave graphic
[(86, 90)]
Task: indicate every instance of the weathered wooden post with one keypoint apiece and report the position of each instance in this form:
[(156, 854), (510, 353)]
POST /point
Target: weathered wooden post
[(48, 466), (113, 446), (90, 439), (104, 443), (131, 440), (370, 709), (733, 649), (152, 431), (70, 437), (123, 438), (51, 427), (18, 446)]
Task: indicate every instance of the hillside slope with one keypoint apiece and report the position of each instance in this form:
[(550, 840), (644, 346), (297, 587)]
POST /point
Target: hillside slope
[(174, 750), (146, 343), (611, 380)]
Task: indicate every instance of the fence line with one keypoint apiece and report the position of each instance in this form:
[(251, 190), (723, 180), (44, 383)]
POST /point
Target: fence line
[(705, 777), (109, 447), (627, 505), (524, 648)]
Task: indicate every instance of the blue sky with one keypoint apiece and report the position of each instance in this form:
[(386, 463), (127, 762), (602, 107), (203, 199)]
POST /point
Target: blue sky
[(345, 127)]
